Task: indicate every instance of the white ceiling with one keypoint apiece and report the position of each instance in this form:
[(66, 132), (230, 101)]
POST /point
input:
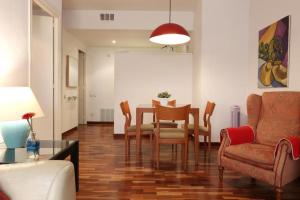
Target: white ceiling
[(123, 38), (179, 5)]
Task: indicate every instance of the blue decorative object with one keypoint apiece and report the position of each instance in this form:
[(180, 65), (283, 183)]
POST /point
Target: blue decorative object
[(15, 133), (33, 145)]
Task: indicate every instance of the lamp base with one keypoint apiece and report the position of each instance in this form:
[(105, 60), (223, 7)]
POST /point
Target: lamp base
[(15, 133)]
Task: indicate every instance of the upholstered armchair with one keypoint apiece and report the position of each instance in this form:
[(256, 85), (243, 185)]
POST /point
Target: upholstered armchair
[(272, 117)]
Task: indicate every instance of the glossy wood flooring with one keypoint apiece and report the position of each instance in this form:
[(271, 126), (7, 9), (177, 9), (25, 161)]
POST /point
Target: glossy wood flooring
[(104, 173)]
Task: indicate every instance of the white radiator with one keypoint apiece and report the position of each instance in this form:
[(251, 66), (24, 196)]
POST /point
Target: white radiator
[(106, 115)]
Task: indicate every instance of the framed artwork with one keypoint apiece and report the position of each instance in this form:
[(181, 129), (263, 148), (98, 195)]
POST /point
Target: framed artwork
[(273, 54), (72, 72)]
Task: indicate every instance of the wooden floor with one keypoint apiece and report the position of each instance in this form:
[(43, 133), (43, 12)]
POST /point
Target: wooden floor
[(104, 173)]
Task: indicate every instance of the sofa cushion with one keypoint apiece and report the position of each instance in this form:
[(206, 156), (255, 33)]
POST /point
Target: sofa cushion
[(254, 154), (279, 117)]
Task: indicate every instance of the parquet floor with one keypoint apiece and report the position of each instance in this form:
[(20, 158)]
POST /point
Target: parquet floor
[(104, 173)]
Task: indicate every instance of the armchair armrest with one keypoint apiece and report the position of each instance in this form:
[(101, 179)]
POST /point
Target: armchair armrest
[(293, 146), (225, 142), (42, 180)]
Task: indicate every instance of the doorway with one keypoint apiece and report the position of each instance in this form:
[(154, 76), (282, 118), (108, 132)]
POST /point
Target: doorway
[(81, 87), (42, 68)]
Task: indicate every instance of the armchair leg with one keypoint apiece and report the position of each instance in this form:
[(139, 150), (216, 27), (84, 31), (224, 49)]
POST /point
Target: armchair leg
[(278, 189), (221, 172), (279, 192)]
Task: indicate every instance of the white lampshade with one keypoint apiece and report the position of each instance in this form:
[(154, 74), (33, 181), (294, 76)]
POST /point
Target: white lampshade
[(17, 101)]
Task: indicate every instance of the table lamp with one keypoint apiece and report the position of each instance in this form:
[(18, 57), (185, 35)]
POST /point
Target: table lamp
[(14, 103)]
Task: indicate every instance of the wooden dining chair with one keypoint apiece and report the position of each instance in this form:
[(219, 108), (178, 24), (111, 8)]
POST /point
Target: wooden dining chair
[(130, 130), (165, 124), (171, 135), (205, 130)]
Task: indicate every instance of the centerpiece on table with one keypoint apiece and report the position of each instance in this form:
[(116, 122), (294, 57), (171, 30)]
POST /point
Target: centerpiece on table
[(163, 98)]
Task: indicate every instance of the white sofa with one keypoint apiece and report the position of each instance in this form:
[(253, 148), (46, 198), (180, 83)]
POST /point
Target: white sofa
[(42, 180)]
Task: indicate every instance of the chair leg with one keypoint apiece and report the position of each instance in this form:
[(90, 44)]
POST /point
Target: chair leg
[(126, 145), (153, 149), (221, 172), (157, 153), (185, 155), (182, 154), (205, 140), (209, 143)]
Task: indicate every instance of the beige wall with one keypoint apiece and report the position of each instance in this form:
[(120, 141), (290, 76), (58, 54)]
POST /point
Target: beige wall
[(264, 13), (14, 42), (139, 77), (222, 53), (71, 46), (228, 32)]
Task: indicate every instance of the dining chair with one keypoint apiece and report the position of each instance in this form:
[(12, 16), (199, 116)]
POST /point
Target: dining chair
[(130, 130), (171, 135), (205, 130), (165, 124)]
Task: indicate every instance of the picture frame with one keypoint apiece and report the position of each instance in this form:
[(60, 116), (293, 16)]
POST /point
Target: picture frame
[(72, 72)]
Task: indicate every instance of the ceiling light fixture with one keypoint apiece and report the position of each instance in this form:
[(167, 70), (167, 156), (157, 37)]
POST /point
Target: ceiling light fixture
[(114, 41), (170, 33)]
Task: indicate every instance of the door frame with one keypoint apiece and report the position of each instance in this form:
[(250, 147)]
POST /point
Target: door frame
[(57, 90), (84, 85)]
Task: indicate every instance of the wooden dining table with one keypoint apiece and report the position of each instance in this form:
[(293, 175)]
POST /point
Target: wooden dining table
[(148, 108)]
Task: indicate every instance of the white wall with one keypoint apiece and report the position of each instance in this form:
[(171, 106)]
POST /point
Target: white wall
[(224, 58), (140, 76), (196, 44), (127, 20), (71, 46), (14, 42), (276, 9), (99, 81), (100, 78)]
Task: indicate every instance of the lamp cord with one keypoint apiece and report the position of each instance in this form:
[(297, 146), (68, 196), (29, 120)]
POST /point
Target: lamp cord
[(170, 6)]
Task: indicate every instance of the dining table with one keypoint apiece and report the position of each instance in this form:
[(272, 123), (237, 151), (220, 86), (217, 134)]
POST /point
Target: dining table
[(148, 108)]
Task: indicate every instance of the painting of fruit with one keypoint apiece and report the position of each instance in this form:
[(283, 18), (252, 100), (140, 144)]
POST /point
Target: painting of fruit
[(273, 54)]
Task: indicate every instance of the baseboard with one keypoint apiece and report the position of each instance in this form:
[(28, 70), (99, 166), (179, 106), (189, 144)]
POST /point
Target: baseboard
[(69, 132), (98, 122)]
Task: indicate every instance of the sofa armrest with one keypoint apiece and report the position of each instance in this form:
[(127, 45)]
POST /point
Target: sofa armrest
[(42, 180)]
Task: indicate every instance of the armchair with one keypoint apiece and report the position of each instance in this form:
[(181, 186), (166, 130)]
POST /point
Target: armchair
[(42, 180), (273, 117)]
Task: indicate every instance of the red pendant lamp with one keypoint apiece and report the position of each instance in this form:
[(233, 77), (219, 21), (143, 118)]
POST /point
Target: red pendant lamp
[(170, 33)]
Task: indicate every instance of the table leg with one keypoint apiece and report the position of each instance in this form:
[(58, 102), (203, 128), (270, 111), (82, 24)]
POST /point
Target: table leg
[(138, 130), (75, 160), (196, 136)]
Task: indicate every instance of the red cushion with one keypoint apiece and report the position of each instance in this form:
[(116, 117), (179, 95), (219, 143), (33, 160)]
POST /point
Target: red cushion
[(3, 196), (241, 135)]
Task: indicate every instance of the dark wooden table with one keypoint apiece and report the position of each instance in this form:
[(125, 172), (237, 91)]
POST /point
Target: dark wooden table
[(49, 150), (149, 109)]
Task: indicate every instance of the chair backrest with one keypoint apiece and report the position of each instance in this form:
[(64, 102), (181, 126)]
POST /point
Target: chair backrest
[(155, 103), (172, 113), (274, 115), (126, 112), (170, 103), (209, 109)]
